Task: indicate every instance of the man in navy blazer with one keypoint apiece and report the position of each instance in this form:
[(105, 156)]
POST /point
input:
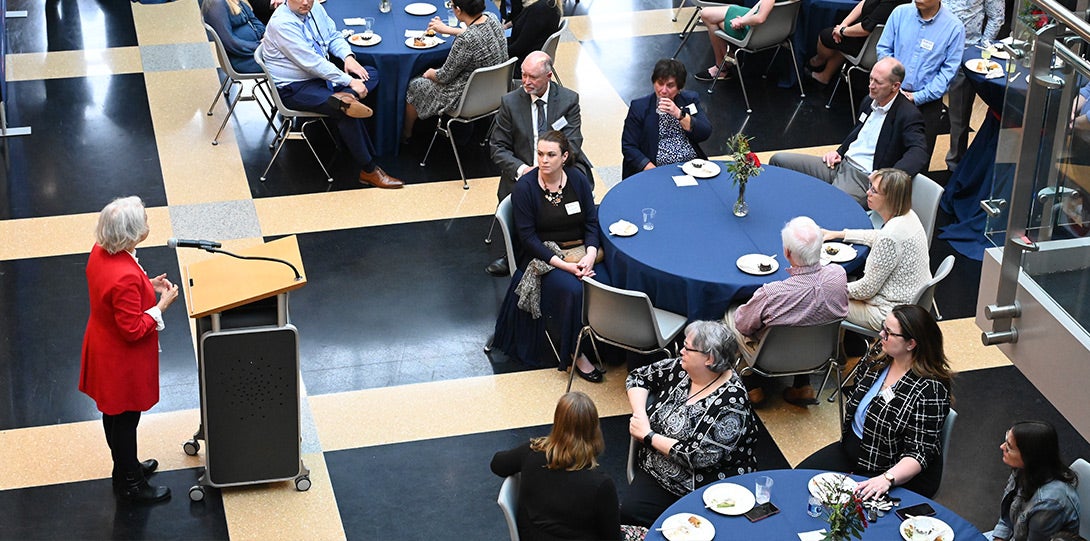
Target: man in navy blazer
[(514, 139), (890, 133), (640, 138)]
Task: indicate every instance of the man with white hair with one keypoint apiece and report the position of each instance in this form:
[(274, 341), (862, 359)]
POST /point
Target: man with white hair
[(813, 295)]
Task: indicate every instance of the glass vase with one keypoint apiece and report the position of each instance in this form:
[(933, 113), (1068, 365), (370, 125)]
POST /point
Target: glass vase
[(741, 208)]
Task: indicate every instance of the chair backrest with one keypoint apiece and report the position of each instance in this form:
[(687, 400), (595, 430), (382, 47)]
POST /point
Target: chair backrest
[(225, 61), (868, 54), (1082, 470), (484, 90), (792, 349), (505, 215), (620, 315), (549, 47), (925, 298), (509, 503), (259, 57), (925, 203), (776, 29), (947, 430)]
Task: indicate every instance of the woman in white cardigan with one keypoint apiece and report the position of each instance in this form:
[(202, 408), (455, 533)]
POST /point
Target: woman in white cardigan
[(898, 264)]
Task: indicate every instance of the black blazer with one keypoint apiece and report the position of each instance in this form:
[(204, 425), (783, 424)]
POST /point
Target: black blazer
[(901, 143), (640, 139)]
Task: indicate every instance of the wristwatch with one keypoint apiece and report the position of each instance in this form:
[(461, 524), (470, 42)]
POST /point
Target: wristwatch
[(889, 477), (840, 29), (684, 113), (647, 439)]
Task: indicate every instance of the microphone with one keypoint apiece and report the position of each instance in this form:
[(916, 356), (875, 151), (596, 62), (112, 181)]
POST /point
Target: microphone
[(187, 243)]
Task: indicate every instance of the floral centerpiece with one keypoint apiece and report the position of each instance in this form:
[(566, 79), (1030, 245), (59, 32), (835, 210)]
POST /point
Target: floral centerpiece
[(745, 166), (843, 510)]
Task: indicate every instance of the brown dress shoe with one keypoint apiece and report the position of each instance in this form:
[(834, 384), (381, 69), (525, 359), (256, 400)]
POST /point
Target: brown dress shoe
[(800, 396), (379, 179), (350, 105), (756, 396)]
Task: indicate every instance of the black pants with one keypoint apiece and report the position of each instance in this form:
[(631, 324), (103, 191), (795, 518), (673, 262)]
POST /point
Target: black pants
[(121, 437), (843, 456), (645, 500), (932, 117)]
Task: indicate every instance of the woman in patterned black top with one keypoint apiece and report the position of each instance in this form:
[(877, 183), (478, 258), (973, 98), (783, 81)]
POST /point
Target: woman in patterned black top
[(695, 421), (894, 415)]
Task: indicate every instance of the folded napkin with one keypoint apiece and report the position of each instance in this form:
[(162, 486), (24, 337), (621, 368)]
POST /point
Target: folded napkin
[(816, 535), (355, 21), (994, 74), (684, 180), (414, 33)]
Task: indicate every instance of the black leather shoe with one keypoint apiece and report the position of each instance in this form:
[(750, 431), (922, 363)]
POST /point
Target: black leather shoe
[(147, 468), (498, 267), (594, 376), (137, 490)]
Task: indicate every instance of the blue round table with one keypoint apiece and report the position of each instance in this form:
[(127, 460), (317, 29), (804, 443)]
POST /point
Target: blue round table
[(687, 263), (789, 493), (397, 63)]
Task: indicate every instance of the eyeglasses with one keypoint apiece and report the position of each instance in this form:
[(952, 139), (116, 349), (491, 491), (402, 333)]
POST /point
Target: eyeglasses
[(886, 333), (873, 190), (685, 347)]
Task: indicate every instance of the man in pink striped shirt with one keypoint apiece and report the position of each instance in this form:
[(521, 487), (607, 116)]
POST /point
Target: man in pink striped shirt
[(814, 294)]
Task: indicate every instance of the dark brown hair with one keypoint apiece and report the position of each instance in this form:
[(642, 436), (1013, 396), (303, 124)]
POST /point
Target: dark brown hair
[(576, 438)]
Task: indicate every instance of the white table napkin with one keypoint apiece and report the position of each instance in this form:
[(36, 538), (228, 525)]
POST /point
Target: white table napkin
[(684, 180), (816, 535), (355, 21)]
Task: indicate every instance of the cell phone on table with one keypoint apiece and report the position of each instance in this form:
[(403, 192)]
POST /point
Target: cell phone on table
[(918, 510), (762, 512)]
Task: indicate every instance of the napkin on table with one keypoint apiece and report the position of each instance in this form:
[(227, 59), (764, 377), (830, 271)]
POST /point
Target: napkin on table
[(816, 535), (684, 180), (355, 21)]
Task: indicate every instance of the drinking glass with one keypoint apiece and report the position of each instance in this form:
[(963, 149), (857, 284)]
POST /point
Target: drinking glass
[(648, 218), (368, 27), (763, 491)]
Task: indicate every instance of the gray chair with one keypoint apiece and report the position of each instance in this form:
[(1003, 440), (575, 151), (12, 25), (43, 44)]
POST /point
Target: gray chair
[(505, 216), (863, 61), (230, 80), (926, 194), (550, 45), (288, 118), (625, 319), (509, 503), (947, 432), (630, 471), (1082, 470), (798, 350), (480, 99), (776, 32)]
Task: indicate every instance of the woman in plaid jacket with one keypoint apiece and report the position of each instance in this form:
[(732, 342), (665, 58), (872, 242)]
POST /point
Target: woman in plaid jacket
[(895, 412)]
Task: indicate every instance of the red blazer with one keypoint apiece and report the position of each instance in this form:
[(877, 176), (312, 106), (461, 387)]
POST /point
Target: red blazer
[(120, 365)]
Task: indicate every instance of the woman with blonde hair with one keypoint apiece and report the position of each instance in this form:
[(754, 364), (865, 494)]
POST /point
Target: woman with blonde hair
[(563, 494), (238, 28)]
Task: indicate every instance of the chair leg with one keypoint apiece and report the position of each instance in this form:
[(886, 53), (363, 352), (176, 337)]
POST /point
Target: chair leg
[(836, 86), (795, 63), (488, 239), (721, 68), (742, 83), (438, 128), (677, 10), (684, 37), (302, 132), (278, 142), (226, 81), (230, 111), (457, 158), (488, 345)]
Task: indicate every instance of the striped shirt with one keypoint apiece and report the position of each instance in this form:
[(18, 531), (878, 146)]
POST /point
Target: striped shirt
[(813, 295)]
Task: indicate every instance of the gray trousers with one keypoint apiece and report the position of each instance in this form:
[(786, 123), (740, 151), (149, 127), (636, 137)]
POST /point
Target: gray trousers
[(961, 98), (845, 177)]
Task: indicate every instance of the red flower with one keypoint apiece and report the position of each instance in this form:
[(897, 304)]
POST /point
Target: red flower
[(753, 159)]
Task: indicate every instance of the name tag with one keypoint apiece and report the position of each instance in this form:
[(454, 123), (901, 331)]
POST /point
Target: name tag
[(887, 394), (573, 208), (862, 117), (560, 123), (692, 108), (927, 44)]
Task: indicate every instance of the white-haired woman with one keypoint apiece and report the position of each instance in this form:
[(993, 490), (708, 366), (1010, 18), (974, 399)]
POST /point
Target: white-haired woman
[(120, 360), (694, 419)]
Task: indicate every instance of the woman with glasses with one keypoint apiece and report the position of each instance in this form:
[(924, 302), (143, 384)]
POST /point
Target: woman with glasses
[(694, 420), (894, 415), (898, 265), (1040, 501)]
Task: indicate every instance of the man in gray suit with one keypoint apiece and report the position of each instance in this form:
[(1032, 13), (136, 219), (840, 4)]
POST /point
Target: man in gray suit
[(514, 139)]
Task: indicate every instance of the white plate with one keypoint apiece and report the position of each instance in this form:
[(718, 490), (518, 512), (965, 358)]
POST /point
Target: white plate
[(749, 264), (844, 252), (623, 228), (728, 498), (678, 528), (940, 530), (357, 39), (429, 42), (1001, 55), (706, 170), (420, 8), (816, 488), (981, 66)]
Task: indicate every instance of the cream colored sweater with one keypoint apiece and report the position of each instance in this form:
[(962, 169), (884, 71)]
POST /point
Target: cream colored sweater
[(898, 264)]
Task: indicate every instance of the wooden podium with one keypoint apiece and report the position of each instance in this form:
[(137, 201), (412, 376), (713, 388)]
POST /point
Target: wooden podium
[(248, 366)]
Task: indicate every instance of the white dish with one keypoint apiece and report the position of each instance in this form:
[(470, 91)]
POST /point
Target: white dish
[(940, 531), (728, 499), (429, 42), (707, 169), (679, 528), (1001, 54), (420, 8), (817, 483), (844, 252), (359, 40), (981, 66), (749, 264), (623, 228)]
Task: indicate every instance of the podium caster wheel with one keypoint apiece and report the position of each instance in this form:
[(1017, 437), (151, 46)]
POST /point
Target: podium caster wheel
[(196, 493), (302, 484), (191, 447)]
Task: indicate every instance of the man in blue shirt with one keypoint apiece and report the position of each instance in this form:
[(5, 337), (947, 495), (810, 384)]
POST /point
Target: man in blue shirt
[(982, 20), (929, 41), (299, 39)]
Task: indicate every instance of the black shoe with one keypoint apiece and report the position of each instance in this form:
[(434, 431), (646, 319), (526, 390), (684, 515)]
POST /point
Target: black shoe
[(594, 376), (147, 468), (137, 490), (499, 267), (706, 77)]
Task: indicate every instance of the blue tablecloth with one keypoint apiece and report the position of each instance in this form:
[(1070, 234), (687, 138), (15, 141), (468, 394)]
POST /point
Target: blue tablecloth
[(397, 63), (789, 493), (687, 263)]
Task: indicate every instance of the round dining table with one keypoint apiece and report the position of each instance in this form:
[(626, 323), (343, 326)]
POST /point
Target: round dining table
[(397, 63), (686, 264), (790, 494)]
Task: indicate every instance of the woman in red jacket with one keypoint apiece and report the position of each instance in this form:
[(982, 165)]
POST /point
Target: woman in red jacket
[(120, 362)]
